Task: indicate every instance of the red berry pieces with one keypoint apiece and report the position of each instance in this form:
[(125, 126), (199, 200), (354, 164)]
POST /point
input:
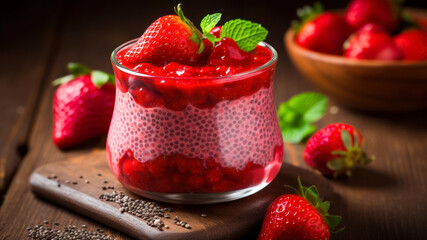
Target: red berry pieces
[(413, 44), (298, 216), (227, 53), (178, 173), (335, 149)]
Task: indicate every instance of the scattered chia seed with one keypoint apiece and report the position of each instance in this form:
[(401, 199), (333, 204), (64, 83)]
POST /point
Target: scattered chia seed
[(67, 181), (87, 181), (99, 174), (204, 215), (105, 181), (40, 232), (104, 188), (81, 177), (46, 222), (149, 211), (74, 182)]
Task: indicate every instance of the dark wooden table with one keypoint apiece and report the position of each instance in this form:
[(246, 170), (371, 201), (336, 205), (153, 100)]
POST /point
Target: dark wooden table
[(385, 200)]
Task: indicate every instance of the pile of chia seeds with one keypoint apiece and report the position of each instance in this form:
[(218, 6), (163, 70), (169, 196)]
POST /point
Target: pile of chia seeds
[(41, 232), (149, 211)]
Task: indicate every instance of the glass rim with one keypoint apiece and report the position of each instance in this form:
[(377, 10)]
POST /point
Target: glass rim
[(237, 75)]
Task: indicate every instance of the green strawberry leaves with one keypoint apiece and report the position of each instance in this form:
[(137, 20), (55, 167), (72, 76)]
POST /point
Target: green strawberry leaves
[(307, 14), (98, 78), (351, 156), (312, 196), (298, 113), (246, 33), (197, 36)]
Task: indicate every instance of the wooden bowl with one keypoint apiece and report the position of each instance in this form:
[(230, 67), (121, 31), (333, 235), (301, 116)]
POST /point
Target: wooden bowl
[(369, 85)]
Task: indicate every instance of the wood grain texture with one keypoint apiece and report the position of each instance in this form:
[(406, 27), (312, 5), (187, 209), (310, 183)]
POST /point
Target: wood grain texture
[(23, 70), (225, 220), (384, 200)]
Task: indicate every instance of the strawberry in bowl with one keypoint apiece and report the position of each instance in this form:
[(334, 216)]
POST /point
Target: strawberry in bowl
[(379, 67), (194, 119)]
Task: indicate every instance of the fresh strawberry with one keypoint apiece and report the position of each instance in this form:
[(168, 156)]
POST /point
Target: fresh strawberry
[(413, 44), (321, 31), (170, 38), (383, 12), (371, 42), (82, 106), (335, 149), (298, 216)]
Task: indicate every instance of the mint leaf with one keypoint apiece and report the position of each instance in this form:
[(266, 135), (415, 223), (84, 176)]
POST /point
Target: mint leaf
[(78, 69), (296, 134), (246, 33), (211, 38), (209, 22), (311, 105), (297, 115)]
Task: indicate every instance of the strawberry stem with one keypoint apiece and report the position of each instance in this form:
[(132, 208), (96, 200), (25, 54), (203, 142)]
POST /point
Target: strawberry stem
[(312, 196), (197, 36)]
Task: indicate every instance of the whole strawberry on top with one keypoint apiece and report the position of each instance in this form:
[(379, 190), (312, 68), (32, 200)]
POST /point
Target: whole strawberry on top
[(413, 44), (372, 42), (173, 47), (298, 216), (171, 38), (385, 13), (321, 31), (335, 149), (82, 105)]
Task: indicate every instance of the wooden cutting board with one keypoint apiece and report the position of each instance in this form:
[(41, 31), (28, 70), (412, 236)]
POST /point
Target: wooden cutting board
[(233, 220)]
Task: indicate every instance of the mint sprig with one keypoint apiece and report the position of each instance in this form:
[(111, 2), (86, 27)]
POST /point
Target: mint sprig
[(98, 78), (209, 22), (297, 115), (246, 33)]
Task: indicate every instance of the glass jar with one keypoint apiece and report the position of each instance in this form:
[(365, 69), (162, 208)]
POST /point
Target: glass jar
[(195, 140)]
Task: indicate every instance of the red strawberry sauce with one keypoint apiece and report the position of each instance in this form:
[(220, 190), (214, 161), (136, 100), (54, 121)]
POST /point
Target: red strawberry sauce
[(195, 129)]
